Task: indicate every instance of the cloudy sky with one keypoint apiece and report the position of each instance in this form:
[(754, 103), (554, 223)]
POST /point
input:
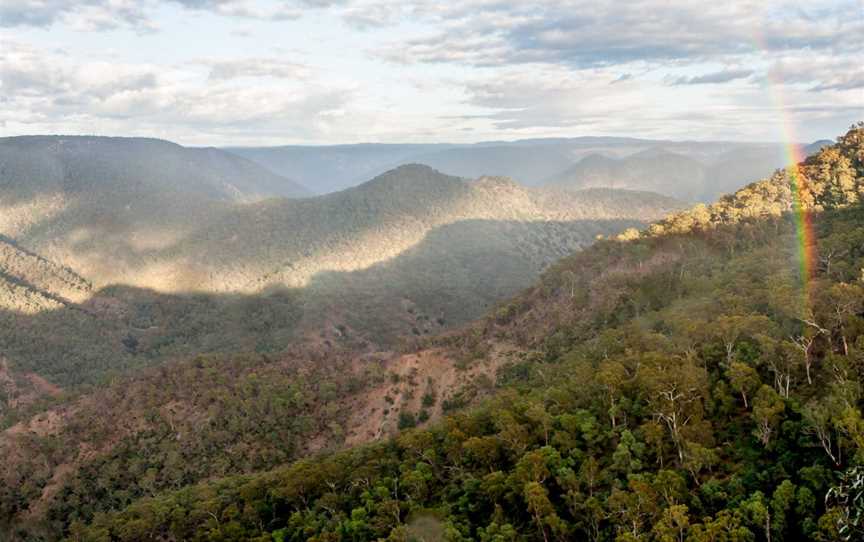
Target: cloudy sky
[(221, 72)]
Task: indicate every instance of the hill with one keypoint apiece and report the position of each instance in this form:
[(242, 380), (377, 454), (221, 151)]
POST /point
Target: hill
[(288, 242), (119, 167), (692, 382), (528, 163), (534, 161), (36, 280), (665, 170), (366, 266), (333, 168), (98, 205)]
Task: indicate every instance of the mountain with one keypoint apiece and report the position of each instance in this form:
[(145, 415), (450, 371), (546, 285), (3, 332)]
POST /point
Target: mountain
[(657, 171), (133, 166), (689, 382), (666, 171), (302, 283), (171, 274), (288, 242), (328, 169), (95, 204), (30, 278), (530, 162), (332, 168), (817, 146)]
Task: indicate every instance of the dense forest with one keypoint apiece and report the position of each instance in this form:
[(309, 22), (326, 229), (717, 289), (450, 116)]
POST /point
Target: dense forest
[(698, 381)]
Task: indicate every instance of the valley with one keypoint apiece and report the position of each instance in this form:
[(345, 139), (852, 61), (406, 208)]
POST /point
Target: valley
[(414, 271), (385, 344), (653, 386), (130, 267)]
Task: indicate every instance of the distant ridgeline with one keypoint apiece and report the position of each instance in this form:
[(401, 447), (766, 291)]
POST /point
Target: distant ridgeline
[(693, 171), (698, 381)]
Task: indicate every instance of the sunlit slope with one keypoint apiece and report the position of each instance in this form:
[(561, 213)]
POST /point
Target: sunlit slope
[(409, 253), (101, 206), (32, 283), (283, 242)]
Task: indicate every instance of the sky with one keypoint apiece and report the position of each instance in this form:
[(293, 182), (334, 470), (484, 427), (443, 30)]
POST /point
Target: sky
[(249, 72)]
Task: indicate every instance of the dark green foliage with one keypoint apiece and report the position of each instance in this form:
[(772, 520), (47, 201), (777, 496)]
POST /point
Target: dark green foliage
[(407, 420)]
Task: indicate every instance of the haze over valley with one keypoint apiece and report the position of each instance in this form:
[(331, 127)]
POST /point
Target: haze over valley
[(691, 171)]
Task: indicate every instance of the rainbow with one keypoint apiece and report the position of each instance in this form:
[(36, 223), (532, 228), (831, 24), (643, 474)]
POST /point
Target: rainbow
[(805, 237)]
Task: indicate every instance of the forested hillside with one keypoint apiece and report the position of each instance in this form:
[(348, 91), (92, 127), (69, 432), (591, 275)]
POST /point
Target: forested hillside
[(698, 381), (406, 254), (102, 205)]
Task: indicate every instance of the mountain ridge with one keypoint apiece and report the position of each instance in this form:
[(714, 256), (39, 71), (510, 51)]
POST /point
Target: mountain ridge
[(529, 161), (277, 270)]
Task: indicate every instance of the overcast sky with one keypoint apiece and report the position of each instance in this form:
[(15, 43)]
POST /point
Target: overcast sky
[(224, 72)]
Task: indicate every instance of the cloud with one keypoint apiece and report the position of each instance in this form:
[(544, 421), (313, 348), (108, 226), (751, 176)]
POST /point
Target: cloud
[(244, 9), (81, 14), (256, 67), (551, 98), (821, 73), (580, 33), (848, 82), (723, 76), (421, 70), (51, 89), (26, 72), (556, 100), (136, 14)]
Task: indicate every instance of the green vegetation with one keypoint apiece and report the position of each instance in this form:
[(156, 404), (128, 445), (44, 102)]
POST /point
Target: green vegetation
[(171, 427), (686, 385), (168, 268)]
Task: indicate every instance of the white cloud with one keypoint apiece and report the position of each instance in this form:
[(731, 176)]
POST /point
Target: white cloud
[(421, 70), (226, 69), (47, 88), (581, 33), (81, 14)]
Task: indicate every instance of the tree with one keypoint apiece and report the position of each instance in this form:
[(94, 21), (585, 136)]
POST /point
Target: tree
[(848, 498), (819, 420), (743, 378), (626, 456), (767, 407), (675, 390), (757, 512), (781, 503), (673, 525), (612, 375), (729, 328), (541, 509)]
